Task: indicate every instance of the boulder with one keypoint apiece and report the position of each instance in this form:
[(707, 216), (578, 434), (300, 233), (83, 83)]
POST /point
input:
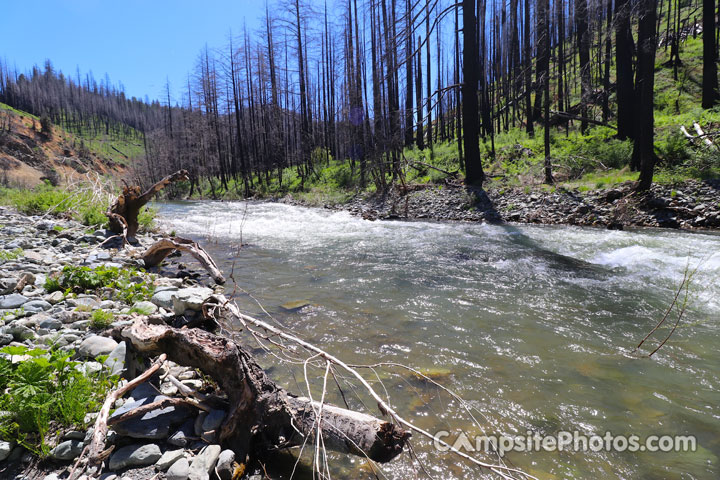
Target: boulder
[(55, 297), (190, 299), (36, 306), (5, 449), (155, 424), (164, 298)]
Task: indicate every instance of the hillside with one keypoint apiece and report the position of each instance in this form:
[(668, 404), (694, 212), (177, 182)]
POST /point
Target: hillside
[(28, 156)]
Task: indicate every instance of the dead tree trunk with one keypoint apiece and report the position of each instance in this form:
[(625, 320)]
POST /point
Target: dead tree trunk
[(131, 201), (262, 415)]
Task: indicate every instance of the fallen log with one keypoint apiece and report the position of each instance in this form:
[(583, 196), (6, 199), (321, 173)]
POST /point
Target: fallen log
[(165, 246), (262, 415), (129, 203)]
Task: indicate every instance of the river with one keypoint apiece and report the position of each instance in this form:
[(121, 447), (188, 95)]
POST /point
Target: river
[(533, 325)]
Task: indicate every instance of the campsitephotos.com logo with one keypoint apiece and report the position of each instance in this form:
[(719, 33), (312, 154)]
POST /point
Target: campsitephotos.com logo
[(574, 441)]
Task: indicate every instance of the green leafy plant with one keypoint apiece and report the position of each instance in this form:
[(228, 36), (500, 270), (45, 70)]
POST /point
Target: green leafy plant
[(75, 279), (44, 391)]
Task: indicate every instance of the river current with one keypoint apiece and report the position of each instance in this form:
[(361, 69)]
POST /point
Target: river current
[(534, 326)]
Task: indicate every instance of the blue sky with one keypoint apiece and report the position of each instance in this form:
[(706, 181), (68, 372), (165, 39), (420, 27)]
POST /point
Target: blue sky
[(136, 42)]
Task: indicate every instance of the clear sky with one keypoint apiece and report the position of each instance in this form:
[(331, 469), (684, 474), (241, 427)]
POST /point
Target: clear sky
[(138, 43)]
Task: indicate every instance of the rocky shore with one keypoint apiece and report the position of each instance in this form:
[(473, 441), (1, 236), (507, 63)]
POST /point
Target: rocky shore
[(688, 205), (174, 442)]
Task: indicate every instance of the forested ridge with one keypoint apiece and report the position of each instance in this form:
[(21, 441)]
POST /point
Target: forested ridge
[(377, 90)]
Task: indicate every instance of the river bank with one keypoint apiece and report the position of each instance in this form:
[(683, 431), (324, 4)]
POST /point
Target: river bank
[(61, 296), (692, 205)]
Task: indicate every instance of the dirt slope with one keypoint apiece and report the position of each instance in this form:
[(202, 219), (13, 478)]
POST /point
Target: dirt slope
[(27, 156)]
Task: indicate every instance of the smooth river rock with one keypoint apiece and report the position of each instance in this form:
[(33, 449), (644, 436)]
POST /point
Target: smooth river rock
[(204, 463), (67, 450), (135, 456), (168, 458), (179, 470), (12, 301), (95, 345)]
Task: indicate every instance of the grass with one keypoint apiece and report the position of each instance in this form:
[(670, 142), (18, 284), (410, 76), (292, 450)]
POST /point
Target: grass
[(8, 255), (81, 205), (141, 310), (45, 392), (101, 319)]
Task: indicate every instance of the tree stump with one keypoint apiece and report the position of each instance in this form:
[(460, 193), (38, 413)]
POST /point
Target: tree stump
[(132, 200)]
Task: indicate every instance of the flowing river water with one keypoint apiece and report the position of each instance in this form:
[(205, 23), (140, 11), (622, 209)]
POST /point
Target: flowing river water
[(533, 325)]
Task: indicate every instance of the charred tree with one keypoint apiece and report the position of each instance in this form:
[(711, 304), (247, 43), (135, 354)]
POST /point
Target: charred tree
[(474, 174)]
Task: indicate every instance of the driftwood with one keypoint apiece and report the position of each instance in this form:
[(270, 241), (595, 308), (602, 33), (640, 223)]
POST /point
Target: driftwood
[(262, 415), (164, 247), (97, 451), (129, 203)]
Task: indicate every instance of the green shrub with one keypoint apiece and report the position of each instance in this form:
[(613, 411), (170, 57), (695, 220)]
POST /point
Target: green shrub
[(92, 215), (146, 218), (43, 392), (674, 150)]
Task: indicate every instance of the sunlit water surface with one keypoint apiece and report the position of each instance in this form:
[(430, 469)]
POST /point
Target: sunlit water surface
[(533, 325)]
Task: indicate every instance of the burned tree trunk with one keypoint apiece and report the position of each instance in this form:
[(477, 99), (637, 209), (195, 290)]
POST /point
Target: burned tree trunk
[(131, 201), (262, 415)]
